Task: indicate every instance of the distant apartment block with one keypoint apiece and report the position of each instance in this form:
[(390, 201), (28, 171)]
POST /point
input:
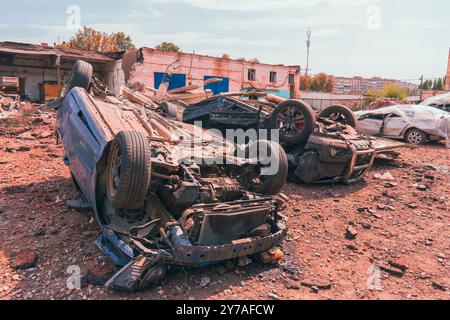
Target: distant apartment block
[(360, 85)]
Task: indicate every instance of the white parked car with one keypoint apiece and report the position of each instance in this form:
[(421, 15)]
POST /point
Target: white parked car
[(441, 102), (415, 124)]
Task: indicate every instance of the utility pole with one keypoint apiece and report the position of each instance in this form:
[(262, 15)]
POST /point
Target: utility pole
[(421, 81), (308, 44)]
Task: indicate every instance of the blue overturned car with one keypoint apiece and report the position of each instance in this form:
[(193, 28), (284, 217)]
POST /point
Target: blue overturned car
[(162, 191)]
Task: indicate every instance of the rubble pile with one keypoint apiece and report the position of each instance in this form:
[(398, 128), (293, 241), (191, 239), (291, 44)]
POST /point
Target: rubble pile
[(7, 105)]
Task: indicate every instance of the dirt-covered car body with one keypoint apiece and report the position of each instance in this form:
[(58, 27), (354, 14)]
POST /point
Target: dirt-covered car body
[(328, 151), (416, 124), (191, 213)]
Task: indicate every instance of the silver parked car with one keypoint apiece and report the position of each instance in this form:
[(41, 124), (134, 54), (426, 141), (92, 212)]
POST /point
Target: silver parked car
[(415, 124)]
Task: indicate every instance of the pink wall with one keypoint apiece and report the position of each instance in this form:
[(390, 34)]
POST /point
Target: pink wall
[(237, 71), (425, 94)]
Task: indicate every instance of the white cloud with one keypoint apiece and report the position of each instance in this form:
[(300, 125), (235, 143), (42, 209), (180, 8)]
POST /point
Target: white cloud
[(263, 5), (148, 13)]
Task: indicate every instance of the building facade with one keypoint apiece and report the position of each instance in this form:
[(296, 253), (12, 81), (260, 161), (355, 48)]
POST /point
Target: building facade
[(149, 66), (39, 65), (360, 85)]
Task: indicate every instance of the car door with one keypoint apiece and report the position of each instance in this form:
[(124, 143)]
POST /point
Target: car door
[(369, 125), (80, 146), (394, 126)]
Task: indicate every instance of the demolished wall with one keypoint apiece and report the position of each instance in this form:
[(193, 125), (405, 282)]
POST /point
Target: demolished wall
[(141, 67)]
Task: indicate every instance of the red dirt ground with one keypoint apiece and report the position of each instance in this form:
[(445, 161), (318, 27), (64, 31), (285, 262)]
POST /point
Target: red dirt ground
[(395, 222)]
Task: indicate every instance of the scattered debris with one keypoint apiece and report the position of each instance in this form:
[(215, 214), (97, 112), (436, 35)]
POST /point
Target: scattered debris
[(351, 233), (99, 275), (204, 282), (25, 260), (321, 285)]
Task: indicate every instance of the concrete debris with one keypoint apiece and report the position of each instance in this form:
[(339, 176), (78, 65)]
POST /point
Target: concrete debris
[(351, 233), (204, 282)]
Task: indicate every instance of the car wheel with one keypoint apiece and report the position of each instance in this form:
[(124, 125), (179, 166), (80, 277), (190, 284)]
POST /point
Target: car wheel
[(270, 183), (295, 119), (339, 113), (128, 170), (416, 136), (308, 169), (80, 76)]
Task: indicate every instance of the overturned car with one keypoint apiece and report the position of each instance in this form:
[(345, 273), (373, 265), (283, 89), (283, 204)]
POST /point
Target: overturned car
[(321, 148), (161, 190)]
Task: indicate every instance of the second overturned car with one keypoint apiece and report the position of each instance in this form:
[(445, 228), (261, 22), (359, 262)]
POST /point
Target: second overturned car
[(161, 191), (322, 148)]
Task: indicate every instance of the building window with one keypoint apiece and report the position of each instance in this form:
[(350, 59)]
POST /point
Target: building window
[(251, 74), (291, 79), (273, 76)]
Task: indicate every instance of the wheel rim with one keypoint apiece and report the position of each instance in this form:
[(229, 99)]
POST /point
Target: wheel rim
[(415, 137), (115, 171), (290, 121)]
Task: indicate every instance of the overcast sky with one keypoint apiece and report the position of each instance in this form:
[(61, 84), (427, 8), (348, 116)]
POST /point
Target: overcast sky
[(397, 39)]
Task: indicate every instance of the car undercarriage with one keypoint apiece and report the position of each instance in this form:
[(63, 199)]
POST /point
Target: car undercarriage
[(162, 191), (320, 149)]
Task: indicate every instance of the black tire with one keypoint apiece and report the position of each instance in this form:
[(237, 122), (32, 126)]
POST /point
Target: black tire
[(308, 169), (128, 170), (80, 76), (339, 113), (296, 113), (270, 184), (416, 136)]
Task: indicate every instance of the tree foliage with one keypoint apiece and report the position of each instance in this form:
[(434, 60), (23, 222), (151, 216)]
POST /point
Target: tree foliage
[(321, 82), (168, 47), (435, 84), (254, 60), (92, 40), (394, 91)]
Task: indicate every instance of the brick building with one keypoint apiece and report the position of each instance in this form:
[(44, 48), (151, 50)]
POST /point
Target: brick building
[(148, 66)]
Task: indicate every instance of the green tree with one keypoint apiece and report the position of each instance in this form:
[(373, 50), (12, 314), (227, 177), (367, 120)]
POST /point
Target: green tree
[(124, 42), (394, 91), (225, 56), (168, 47), (439, 84), (372, 95)]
